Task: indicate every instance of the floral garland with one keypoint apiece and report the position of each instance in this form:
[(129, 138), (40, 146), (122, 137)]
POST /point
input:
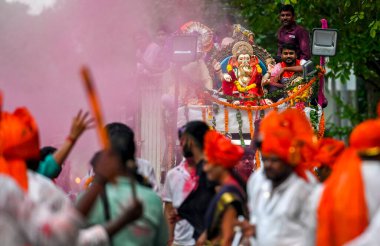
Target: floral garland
[(225, 119), (215, 108), (257, 98), (321, 132), (257, 158), (320, 70), (274, 106), (240, 122), (244, 89), (250, 119), (213, 122), (263, 107)]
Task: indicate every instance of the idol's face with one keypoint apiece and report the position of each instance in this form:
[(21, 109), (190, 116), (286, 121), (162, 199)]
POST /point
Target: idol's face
[(244, 59)]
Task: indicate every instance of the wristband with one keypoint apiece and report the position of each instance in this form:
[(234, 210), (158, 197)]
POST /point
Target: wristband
[(71, 139)]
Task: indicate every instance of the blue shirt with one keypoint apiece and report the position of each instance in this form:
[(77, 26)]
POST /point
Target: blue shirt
[(49, 167)]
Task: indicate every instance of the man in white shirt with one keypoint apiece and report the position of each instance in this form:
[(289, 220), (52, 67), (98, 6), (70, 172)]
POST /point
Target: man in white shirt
[(145, 168), (179, 183), (278, 192)]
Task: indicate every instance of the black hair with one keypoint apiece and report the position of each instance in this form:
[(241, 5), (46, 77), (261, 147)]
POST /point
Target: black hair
[(248, 151), (122, 140), (197, 129), (288, 47), (32, 164), (230, 19), (45, 151), (277, 59), (181, 131), (287, 7)]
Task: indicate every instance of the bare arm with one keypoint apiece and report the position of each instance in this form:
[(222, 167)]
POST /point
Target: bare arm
[(80, 123), (107, 168), (228, 223), (129, 215), (202, 239), (293, 69), (169, 213), (275, 79)]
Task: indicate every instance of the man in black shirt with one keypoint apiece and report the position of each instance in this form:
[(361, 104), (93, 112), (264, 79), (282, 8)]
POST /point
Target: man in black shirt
[(194, 207)]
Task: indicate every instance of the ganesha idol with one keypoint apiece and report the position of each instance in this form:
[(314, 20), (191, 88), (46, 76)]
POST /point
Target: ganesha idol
[(243, 77)]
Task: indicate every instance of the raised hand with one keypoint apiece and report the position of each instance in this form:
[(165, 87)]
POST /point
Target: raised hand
[(80, 123), (227, 77)]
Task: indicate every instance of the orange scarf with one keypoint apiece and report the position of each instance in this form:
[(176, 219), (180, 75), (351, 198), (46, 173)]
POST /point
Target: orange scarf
[(342, 213)]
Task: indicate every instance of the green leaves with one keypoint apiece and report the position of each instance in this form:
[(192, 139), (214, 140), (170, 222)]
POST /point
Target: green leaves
[(290, 2), (374, 28), (357, 16)]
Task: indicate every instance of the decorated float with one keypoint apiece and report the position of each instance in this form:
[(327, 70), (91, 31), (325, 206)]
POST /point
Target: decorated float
[(239, 93), (226, 85)]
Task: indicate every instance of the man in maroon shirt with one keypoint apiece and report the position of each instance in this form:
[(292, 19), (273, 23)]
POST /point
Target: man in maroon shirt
[(291, 33)]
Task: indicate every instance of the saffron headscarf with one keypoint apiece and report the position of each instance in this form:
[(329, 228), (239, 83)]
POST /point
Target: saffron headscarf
[(343, 213), (365, 138), (327, 152), (18, 142), (219, 150), (289, 135)]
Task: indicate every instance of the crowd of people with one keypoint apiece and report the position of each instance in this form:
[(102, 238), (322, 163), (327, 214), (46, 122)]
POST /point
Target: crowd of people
[(288, 188), (307, 191)]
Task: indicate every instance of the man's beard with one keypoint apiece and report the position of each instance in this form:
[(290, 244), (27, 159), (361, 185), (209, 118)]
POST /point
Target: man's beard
[(290, 61), (187, 152)]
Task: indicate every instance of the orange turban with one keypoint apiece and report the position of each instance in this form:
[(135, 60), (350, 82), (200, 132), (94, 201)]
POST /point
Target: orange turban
[(343, 200), (18, 142), (328, 151), (365, 138), (220, 151), (289, 135)]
